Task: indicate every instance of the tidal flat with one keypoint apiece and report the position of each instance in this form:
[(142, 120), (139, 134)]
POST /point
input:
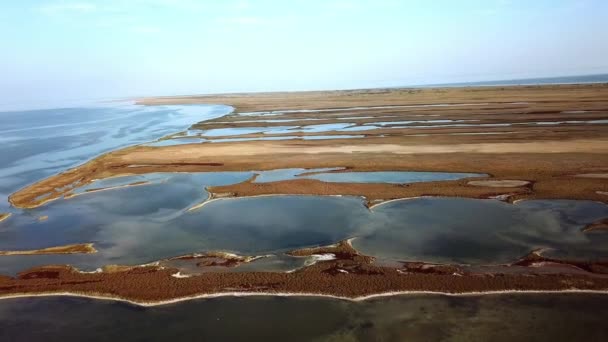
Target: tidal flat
[(454, 191)]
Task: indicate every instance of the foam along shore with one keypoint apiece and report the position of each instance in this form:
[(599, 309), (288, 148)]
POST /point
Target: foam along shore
[(110, 297), (347, 274), (82, 248), (4, 216)]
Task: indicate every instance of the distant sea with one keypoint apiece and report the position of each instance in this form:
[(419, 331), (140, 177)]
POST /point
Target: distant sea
[(599, 78)]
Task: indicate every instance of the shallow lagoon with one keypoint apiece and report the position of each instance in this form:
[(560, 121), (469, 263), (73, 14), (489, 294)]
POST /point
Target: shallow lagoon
[(393, 177), (482, 231), (135, 225), (143, 224)]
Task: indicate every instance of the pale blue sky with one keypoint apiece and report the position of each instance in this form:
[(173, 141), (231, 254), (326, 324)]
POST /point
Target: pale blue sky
[(66, 49)]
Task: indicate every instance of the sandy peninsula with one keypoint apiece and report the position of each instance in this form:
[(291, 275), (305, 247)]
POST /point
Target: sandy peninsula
[(545, 135), (82, 248), (347, 274), (4, 216)]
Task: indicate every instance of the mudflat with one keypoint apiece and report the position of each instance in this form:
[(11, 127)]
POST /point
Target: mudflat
[(545, 135), (519, 142)]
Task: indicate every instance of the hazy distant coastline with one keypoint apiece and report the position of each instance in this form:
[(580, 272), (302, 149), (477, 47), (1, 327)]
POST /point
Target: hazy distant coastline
[(577, 79)]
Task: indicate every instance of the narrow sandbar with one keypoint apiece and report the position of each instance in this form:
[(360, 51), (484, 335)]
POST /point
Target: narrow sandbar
[(601, 225), (82, 248), (499, 183), (4, 216), (349, 275)]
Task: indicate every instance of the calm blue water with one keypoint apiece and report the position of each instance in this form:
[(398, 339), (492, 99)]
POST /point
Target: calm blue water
[(35, 144), (146, 223)]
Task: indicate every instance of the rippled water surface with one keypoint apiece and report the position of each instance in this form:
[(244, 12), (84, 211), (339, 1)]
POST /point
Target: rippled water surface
[(37, 143), (403, 318)]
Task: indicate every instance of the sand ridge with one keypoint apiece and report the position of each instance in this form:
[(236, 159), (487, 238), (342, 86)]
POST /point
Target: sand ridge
[(551, 137), (348, 274), (82, 248)]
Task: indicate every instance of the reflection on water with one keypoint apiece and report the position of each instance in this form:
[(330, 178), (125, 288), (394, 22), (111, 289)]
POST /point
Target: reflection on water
[(143, 224), (327, 175), (265, 263), (286, 174), (116, 182), (481, 231), (526, 317)]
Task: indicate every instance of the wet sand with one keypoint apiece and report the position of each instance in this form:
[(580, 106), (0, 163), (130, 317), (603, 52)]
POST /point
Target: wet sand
[(4, 216), (504, 183), (601, 225), (90, 191), (82, 248), (536, 259)]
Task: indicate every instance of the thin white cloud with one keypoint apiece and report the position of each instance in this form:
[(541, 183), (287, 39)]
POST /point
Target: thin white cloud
[(342, 5), (146, 29), (68, 7), (351, 5), (187, 5), (114, 6), (241, 5), (244, 20)]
